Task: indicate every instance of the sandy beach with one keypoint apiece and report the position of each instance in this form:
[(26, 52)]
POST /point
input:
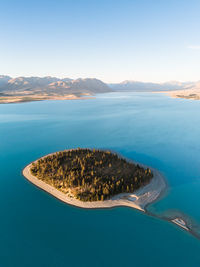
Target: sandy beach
[(138, 200)]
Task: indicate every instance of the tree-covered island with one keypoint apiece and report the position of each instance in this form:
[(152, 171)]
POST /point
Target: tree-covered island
[(90, 175)]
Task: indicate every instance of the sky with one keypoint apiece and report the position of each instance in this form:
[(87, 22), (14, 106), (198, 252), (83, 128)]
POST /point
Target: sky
[(112, 40)]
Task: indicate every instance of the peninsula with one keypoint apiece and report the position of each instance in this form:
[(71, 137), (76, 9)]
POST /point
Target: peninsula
[(95, 179)]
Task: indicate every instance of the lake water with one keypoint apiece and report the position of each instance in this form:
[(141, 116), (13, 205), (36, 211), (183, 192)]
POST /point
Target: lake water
[(38, 230)]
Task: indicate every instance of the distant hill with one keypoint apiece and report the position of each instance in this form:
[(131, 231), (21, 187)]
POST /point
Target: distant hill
[(23, 89), (51, 85), (149, 87), (4, 80)]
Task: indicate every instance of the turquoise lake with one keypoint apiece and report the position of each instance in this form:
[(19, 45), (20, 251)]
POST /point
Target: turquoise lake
[(39, 230)]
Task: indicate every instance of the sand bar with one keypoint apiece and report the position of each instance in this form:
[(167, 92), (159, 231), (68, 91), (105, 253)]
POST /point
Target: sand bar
[(180, 222)]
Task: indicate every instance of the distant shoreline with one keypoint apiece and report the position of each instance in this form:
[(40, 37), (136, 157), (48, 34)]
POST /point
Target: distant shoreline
[(190, 94), (24, 99)]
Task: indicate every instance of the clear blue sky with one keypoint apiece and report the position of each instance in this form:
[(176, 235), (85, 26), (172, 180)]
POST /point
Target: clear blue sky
[(113, 40)]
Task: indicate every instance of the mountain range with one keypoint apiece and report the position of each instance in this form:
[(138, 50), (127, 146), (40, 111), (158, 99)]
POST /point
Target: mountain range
[(51, 85), (40, 88), (146, 86)]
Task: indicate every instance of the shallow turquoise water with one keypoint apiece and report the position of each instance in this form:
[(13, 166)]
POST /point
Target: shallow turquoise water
[(38, 230)]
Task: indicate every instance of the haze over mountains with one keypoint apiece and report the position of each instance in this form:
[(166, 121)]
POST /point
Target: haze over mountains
[(188, 90), (146, 86)]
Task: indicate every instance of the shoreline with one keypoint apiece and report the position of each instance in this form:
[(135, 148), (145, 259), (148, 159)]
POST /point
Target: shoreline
[(34, 98), (139, 199)]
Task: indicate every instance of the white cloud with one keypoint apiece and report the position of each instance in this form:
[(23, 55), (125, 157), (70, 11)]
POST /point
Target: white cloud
[(194, 47)]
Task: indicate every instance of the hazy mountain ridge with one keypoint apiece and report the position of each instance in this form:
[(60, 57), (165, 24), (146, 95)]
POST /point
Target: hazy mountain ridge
[(149, 87), (4, 80), (188, 90)]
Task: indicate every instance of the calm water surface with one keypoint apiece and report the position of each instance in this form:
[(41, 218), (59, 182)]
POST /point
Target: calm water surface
[(38, 230)]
